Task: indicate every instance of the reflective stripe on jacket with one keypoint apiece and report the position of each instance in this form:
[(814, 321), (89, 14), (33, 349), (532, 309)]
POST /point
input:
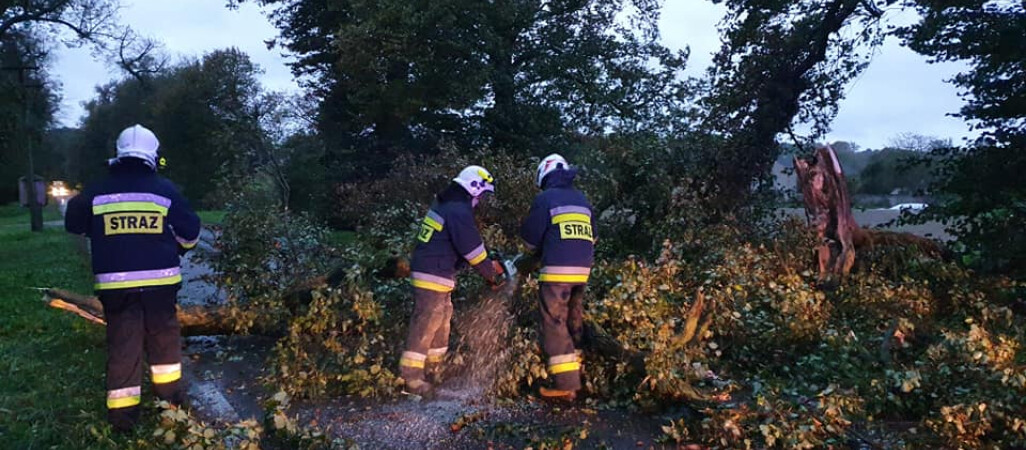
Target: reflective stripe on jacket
[(560, 226), (137, 223)]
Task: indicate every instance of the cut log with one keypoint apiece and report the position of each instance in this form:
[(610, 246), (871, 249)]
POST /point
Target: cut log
[(195, 320)]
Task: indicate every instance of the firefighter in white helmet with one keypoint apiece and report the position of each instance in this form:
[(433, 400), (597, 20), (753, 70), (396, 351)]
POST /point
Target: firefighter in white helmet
[(447, 241), (559, 229), (138, 225)]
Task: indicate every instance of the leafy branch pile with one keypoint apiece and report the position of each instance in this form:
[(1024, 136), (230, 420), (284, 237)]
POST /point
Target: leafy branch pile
[(724, 317)]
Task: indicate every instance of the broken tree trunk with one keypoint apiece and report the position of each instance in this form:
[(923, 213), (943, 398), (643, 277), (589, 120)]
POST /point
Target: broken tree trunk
[(828, 209), (824, 190), (209, 320)]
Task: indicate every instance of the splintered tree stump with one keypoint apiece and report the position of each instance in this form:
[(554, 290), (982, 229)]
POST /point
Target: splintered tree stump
[(824, 191), (828, 208)]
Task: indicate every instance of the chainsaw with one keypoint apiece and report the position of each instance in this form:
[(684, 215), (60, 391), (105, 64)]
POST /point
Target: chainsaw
[(509, 281)]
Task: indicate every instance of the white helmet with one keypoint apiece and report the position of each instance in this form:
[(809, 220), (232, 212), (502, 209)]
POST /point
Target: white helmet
[(548, 165), (476, 180), (138, 142)]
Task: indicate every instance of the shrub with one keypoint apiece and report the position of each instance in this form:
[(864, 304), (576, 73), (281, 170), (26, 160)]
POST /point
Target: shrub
[(339, 345), (265, 253)]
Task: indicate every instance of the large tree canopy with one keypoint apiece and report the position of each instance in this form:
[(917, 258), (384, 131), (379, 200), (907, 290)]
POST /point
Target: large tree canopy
[(520, 75), (991, 37), (204, 112), (985, 199), (28, 100), (87, 19), (783, 63)]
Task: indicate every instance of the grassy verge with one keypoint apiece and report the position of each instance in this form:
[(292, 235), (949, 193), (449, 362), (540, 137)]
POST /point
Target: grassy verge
[(51, 363), (13, 214), (215, 217)]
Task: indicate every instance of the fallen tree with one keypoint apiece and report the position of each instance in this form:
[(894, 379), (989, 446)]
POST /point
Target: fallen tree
[(207, 320), (210, 320), (195, 320)]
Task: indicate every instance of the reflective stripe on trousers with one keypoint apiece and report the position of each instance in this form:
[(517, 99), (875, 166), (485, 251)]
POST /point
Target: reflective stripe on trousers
[(166, 373), (436, 355), (428, 338), (563, 363), (124, 397)]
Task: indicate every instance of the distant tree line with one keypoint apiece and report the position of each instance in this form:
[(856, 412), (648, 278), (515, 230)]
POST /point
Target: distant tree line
[(896, 169)]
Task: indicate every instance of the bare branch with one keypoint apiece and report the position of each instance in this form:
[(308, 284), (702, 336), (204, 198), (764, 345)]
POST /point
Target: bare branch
[(87, 19), (139, 56)]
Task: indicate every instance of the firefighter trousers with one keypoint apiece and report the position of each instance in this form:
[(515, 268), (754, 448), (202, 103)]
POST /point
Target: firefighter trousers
[(428, 338), (139, 321), (562, 331)]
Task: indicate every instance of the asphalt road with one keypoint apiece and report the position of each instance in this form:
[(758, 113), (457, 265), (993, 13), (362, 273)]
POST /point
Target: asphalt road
[(879, 218)]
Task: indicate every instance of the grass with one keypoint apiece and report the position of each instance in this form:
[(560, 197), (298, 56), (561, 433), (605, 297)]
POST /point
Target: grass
[(12, 214), (341, 238), (214, 217), (52, 363)]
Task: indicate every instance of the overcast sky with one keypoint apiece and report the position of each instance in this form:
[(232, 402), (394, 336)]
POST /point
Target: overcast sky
[(899, 92)]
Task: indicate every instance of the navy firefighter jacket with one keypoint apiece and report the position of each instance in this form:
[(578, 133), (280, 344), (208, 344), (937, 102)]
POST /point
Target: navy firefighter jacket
[(137, 223), (559, 225), (448, 240)]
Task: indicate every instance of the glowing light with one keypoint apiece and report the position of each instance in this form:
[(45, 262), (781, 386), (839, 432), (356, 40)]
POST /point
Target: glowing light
[(59, 190)]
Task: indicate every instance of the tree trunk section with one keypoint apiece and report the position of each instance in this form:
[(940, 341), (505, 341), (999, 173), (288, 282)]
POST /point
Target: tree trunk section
[(828, 208), (195, 320), (824, 191)]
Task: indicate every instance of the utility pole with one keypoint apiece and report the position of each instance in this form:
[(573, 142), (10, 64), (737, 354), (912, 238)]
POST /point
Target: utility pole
[(35, 209)]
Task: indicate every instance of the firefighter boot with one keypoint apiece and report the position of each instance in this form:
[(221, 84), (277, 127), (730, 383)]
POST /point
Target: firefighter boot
[(557, 395), (420, 387)]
